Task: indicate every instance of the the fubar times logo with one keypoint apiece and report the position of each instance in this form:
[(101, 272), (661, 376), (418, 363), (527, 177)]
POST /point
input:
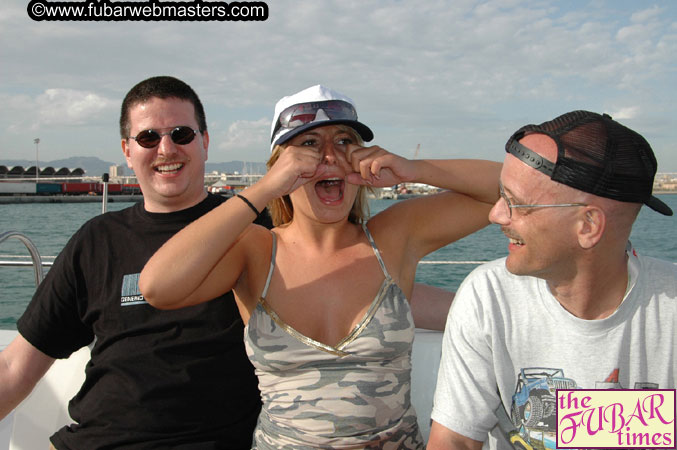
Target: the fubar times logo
[(632, 419)]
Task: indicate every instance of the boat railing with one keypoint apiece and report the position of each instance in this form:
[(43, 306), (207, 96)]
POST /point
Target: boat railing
[(47, 261), (36, 260), (24, 260), (469, 262)]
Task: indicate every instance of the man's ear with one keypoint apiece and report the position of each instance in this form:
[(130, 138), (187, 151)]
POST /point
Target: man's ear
[(205, 143), (125, 151), (592, 223)]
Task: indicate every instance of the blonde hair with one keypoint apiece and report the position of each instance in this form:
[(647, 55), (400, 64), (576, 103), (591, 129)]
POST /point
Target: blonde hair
[(282, 210)]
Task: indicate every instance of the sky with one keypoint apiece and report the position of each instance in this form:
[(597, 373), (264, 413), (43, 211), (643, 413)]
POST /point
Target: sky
[(454, 78)]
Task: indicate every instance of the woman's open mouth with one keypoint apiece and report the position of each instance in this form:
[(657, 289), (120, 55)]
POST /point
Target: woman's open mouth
[(330, 190)]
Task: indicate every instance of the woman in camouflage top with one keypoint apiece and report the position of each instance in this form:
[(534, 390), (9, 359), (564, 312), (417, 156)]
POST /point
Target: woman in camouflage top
[(325, 294)]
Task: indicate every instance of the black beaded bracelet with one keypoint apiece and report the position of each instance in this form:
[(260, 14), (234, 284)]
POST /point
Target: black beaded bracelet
[(244, 199)]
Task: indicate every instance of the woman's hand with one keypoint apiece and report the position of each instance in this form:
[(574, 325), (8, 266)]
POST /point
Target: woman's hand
[(378, 167), (296, 166)]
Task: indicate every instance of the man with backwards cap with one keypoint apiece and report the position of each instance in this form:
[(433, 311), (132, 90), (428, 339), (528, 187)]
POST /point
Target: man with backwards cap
[(574, 305)]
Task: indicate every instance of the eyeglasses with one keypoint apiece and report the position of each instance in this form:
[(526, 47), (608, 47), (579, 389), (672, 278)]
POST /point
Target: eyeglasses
[(303, 113), (510, 206), (180, 135)]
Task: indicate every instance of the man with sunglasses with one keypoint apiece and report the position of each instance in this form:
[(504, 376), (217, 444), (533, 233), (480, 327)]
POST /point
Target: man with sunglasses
[(573, 306), (156, 379)]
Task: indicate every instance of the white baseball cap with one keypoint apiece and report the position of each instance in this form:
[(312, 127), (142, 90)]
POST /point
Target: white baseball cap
[(313, 107)]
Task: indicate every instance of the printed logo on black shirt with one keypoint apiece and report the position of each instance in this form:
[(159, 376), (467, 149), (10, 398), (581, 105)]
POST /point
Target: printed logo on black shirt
[(130, 291)]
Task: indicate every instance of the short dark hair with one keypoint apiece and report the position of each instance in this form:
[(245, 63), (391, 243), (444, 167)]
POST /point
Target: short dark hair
[(160, 87)]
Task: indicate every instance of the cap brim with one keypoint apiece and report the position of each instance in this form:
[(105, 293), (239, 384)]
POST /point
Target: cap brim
[(365, 133), (659, 206)]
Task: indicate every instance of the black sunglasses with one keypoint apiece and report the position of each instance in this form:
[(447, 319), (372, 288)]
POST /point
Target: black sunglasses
[(180, 135)]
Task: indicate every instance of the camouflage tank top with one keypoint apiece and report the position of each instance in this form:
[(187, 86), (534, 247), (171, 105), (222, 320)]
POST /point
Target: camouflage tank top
[(351, 396)]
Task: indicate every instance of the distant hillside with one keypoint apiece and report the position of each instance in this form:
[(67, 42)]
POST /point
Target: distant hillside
[(95, 167)]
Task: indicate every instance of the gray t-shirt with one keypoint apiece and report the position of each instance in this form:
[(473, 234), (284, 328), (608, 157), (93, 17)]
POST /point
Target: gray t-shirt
[(509, 344)]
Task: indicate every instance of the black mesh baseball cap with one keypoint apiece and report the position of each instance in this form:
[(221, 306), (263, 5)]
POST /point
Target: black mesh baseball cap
[(595, 154)]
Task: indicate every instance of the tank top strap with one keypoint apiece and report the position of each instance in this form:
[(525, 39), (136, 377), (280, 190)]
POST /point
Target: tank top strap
[(272, 266), (376, 251)]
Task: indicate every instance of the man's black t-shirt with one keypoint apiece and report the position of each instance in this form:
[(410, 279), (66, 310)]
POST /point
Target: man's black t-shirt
[(156, 379)]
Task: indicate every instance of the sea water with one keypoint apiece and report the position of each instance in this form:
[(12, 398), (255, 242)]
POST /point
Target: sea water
[(50, 225)]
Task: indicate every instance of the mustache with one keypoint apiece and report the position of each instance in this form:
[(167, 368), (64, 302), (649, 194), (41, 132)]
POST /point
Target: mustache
[(164, 160), (510, 234)]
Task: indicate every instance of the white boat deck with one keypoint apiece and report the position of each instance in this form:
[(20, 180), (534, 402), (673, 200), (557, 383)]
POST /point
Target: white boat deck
[(29, 426)]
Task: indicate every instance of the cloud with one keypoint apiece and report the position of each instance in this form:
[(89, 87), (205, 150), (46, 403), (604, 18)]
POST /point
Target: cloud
[(421, 71), (15, 112), (71, 107), (54, 107), (647, 14), (243, 139), (630, 112)]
